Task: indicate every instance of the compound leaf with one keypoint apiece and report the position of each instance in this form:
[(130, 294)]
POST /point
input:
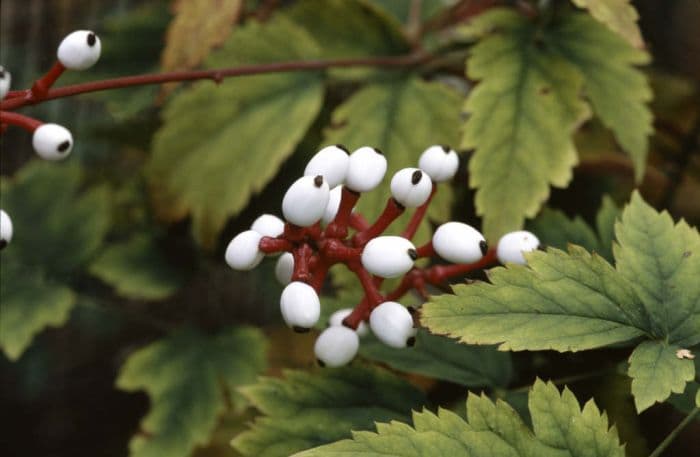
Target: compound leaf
[(521, 118), (619, 15), (443, 358), (656, 372), (401, 118), (188, 377), (222, 143), (560, 428), (136, 269), (661, 261), (304, 410), (618, 91), (57, 231)]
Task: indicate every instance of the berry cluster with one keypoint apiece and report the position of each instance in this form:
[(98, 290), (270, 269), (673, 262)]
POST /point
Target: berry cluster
[(323, 229), (78, 51)]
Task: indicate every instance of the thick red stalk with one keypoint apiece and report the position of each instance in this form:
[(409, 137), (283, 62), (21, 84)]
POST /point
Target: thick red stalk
[(270, 245), (302, 256), (418, 216), (28, 123), (392, 210), (358, 222), (41, 86), (426, 250), (338, 228), (439, 274)]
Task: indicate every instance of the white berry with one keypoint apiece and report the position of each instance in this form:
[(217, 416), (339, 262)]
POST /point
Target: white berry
[(52, 141), (330, 162), (440, 162), (79, 50), (411, 187), (512, 245), (5, 229), (337, 317), (393, 325), (459, 243), (305, 201), (5, 81), (300, 306), (242, 253), (268, 225), (366, 169), (388, 256), (284, 268), (333, 205), (336, 346)]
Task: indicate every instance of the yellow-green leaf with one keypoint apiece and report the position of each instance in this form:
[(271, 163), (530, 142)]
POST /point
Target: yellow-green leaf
[(220, 144), (189, 378), (619, 15), (560, 428)]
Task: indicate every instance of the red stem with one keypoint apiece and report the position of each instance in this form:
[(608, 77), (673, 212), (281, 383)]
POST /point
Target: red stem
[(28, 123), (41, 86), (217, 75), (302, 256), (438, 274), (270, 245), (358, 222), (418, 216), (373, 297), (338, 228), (334, 250), (392, 210), (426, 250)]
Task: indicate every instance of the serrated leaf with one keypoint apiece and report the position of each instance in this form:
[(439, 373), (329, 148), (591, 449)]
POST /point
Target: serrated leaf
[(618, 91), (305, 410), (222, 143), (661, 261), (443, 358), (521, 118), (188, 377), (656, 372), (619, 15), (402, 10), (697, 398), (137, 269), (560, 427), (197, 27), (605, 219), (57, 231), (401, 118)]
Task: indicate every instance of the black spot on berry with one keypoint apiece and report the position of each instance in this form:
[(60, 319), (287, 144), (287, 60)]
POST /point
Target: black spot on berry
[(320, 363), (411, 341), (340, 146), (411, 310), (484, 247), (378, 151), (413, 254), (91, 39), (541, 247), (300, 329), (445, 148), (3, 243), (416, 177), (2, 73), (318, 181), (63, 147)]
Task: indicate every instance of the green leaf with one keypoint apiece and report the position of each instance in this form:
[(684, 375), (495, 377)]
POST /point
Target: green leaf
[(306, 410), (608, 214), (619, 15), (560, 428), (661, 261), (656, 371), (521, 118), (401, 10), (565, 302), (697, 398), (137, 269), (618, 91), (188, 378), (401, 118), (57, 231), (220, 144), (443, 358)]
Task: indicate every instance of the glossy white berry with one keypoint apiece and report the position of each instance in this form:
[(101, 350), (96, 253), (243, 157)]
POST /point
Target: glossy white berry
[(79, 50), (366, 169), (300, 306), (52, 142), (333, 205), (284, 268), (5, 229), (330, 162), (337, 317), (242, 253), (512, 245), (459, 243), (268, 225), (305, 201), (388, 256), (440, 162), (393, 325), (5, 81), (411, 187), (336, 346)]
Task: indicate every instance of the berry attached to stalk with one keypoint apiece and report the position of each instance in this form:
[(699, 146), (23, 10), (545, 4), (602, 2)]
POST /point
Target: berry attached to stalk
[(411, 187), (513, 245), (393, 325), (52, 142), (300, 306), (5, 82), (305, 201), (459, 243), (440, 162), (243, 253), (79, 50), (330, 162), (389, 256), (336, 346), (366, 169), (5, 229)]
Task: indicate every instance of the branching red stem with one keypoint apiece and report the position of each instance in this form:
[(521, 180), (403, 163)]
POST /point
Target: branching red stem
[(28, 123), (392, 210)]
